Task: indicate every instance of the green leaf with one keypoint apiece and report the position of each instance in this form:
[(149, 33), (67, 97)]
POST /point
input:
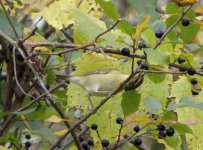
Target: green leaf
[(174, 141), (170, 20), (6, 27), (109, 8), (190, 14), (156, 57), (42, 113), (125, 27), (50, 78), (181, 88), (189, 32), (153, 105), (47, 134), (172, 8), (83, 34), (185, 102), (145, 7), (130, 102), (149, 37), (170, 115), (26, 111), (157, 90), (156, 78), (182, 128)]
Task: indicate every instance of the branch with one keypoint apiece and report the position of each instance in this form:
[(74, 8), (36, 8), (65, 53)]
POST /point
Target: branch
[(37, 76), (108, 30), (171, 27), (15, 74), (119, 137), (92, 112)]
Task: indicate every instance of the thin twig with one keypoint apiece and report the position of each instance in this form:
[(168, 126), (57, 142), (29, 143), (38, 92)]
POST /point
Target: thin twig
[(50, 98), (171, 27), (119, 137), (108, 30), (33, 31), (51, 44), (82, 133), (92, 112), (15, 74), (161, 72), (65, 51), (39, 97), (135, 134), (99, 136)]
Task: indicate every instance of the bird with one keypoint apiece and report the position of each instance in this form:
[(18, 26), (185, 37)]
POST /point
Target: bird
[(185, 2), (104, 82)]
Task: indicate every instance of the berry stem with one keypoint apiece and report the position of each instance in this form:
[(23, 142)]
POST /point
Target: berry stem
[(171, 27), (119, 137), (99, 135)]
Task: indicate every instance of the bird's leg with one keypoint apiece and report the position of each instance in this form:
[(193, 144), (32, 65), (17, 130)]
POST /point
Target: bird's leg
[(88, 96)]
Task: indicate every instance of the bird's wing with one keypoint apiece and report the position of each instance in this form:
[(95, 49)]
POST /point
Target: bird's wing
[(96, 72)]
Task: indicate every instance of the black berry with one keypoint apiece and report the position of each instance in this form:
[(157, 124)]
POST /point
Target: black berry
[(81, 139), (194, 92), (142, 45), (126, 136), (139, 62), (154, 116), (105, 143), (91, 142), (193, 81), (159, 34), (170, 132), (27, 136), (125, 51), (19, 57), (119, 120), (85, 146), (191, 71), (28, 144), (185, 22), (161, 127), (162, 134), (144, 66), (137, 141), (94, 126), (181, 60), (136, 129)]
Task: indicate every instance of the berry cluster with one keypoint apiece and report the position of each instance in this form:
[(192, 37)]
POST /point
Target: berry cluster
[(163, 131), (28, 144), (191, 71), (104, 142)]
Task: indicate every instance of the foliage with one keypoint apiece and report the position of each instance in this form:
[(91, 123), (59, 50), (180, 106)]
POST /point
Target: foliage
[(41, 42)]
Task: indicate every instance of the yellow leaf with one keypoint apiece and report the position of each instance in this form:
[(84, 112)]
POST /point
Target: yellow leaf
[(55, 119), (185, 2), (60, 133), (59, 13), (35, 5), (139, 119), (140, 27), (35, 39)]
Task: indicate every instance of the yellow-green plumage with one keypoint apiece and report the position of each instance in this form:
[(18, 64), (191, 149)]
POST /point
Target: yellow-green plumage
[(100, 83)]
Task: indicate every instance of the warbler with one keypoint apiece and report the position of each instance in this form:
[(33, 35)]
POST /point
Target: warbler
[(104, 82), (185, 2)]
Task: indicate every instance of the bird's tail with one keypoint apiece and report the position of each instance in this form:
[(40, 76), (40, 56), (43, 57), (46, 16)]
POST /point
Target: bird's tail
[(135, 82)]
